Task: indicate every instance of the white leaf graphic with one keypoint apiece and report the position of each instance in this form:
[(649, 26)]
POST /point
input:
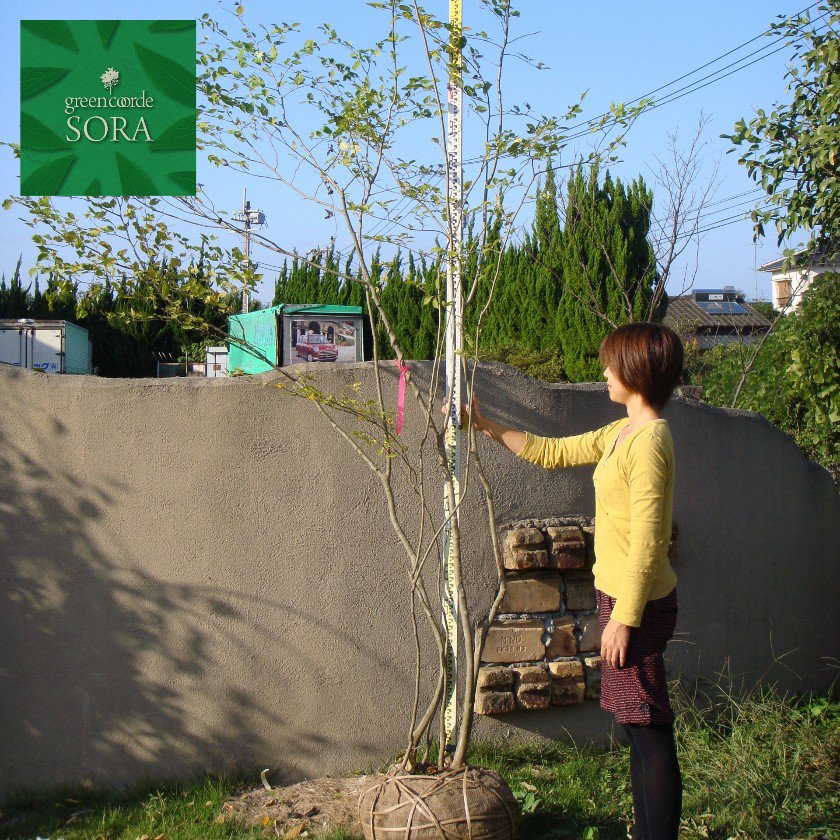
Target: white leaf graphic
[(110, 78)]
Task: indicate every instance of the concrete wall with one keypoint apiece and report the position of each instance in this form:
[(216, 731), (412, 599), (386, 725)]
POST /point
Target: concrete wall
[(198, 573)]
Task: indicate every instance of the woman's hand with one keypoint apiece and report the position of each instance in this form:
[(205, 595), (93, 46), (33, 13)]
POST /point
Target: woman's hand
[(467, 412), (614, 641)]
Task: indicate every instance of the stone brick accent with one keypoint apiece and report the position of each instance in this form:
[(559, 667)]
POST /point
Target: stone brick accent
[(524, 538), (562, 642), (548, 570), (580, 590), (494, 678), (524, 548), (564, 669), (514, 641), (592, 674), (566, 546), (533, 687), (590, 637), (494, 702), (521, 559), (567, 682), (531, 592)]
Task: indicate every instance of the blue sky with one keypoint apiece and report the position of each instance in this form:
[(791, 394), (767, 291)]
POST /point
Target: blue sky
[(616, 50)]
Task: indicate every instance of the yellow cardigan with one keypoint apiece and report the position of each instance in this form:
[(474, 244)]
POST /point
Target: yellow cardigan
[(634, 493)]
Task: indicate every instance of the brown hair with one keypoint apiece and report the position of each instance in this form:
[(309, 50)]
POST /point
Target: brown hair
[(647, 358)]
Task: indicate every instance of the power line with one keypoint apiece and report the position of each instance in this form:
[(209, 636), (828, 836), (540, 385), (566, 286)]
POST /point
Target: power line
[(692, 87), (705, 65)]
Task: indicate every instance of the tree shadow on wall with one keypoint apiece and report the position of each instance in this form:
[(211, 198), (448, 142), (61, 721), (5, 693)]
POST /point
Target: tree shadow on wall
[(102, 661)]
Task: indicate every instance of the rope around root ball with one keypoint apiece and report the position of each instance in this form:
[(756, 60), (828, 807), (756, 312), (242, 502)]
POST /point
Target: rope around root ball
[(489, 810)]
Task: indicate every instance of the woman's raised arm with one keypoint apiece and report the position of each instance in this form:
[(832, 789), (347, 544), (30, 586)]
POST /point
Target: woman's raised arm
[(547, 452)]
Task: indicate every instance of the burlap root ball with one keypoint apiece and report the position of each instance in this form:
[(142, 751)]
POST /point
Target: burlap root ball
[(470, 803)]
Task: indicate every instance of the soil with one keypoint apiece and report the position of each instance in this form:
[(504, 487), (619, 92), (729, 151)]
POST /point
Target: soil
[(302, 809)]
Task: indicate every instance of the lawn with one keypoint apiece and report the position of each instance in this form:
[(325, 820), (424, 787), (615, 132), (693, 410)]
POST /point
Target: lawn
[(762, 766)]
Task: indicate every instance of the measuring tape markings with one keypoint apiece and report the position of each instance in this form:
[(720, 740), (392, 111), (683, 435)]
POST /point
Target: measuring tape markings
[(454, 343)]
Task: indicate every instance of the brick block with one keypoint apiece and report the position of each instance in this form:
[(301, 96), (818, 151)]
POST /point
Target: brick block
[(524, 548), (580, 590), (494, 702), (533, 688), (567, 682), (514, 641), (590, 637), (532, 675), (564, 669), (592, 676), (524, 538), (568, 692), (529, 701), (495, 678), (562, 642), (566, 547), (520, 559), (530, 592)]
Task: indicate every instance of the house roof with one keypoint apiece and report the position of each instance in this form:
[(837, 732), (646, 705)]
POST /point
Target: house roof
[(799, 258), (684, 315)]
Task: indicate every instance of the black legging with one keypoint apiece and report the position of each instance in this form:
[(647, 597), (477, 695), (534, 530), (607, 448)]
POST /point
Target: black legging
[(656, 781)]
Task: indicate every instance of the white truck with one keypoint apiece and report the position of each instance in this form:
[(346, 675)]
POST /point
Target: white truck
[(51, 346)]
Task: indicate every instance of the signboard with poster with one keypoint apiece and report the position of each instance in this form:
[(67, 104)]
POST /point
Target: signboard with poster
[(290, 334), (313, 337)]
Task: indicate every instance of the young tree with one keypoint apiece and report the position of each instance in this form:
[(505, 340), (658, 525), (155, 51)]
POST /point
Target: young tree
[(337, 125)]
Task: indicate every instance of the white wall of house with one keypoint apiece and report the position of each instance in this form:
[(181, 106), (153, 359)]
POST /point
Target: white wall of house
[(789, 286)]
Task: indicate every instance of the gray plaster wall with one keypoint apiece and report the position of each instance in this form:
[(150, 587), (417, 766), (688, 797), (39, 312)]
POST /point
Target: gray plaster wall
[(200, 574)]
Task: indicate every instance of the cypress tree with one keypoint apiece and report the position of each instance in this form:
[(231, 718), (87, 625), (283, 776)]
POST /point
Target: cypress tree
[(606, 262)]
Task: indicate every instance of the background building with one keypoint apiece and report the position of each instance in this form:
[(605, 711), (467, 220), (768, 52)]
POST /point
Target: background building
[(788, 286), (715, 316)]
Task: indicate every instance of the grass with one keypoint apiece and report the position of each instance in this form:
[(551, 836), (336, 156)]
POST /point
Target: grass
[(763, 766)]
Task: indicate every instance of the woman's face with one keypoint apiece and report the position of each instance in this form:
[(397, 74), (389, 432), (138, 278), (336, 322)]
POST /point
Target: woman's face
[(618, 393)]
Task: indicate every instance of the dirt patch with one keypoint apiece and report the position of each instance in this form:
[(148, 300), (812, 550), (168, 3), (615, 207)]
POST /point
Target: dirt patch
[(301, 810)]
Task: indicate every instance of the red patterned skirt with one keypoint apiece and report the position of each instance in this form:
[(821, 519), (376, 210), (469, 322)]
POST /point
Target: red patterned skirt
[(638, 692)]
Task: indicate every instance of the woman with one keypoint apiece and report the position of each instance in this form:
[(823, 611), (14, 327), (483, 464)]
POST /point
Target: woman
[(635, 584)]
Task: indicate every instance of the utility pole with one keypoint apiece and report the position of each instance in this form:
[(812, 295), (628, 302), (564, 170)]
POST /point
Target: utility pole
[(249, 217)]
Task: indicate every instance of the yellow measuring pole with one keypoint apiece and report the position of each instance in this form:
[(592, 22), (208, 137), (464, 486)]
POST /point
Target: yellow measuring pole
[(454, 344)]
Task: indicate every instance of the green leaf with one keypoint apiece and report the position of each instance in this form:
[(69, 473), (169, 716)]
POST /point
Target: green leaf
[(106, 29), (170, 78), (133, 179), (185, 180), (35, 79), (7, 203), (55, 31), (35, 136), (170, 25), (180, 136), (94, 188), (47, 179)]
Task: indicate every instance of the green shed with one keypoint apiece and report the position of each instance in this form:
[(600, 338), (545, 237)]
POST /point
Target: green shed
[(289, 333)]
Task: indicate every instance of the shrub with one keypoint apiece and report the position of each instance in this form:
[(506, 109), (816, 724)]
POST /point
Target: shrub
[(545, 364), (795, 379)]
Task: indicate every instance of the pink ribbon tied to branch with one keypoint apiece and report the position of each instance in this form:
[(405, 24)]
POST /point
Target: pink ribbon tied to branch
[(401, 396)]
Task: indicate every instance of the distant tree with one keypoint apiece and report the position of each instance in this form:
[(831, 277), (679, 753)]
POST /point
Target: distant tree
[(607, 264), (14, 298), (765, 308)]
